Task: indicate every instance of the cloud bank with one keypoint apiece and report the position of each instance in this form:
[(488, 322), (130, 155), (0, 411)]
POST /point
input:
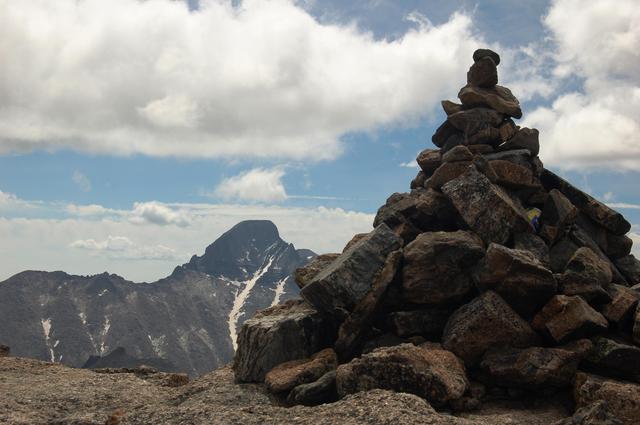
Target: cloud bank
[(263, 79)]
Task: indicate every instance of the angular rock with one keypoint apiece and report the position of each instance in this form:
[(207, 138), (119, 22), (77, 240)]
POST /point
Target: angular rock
[(517, 276), (354, 240), (535, 245), (288, 375), (430, 372), (512, 175), (622, 399), (457, 154), (442, 133), (586, 275), (582, 239), (419, 180), (497, 98), (339, 287), (470, 121), (429, 160), (531, 368), (5, 351), (507, 130), (622, 306), (615, 359), (524, 138), (521, 157), (485, 208), (567, 318), (483, 53), (425, 322), (314, 393), (485, 322), (454, 140), (483, 73), (596, 210), (561, 252), (450, 107), (482, 165), (480, 149), (558, 211), (486, 136), (305, 274), (290, 331), (445, 173), (435, 264), (353, 330), (629, 266), (617, 246), (592, 414)]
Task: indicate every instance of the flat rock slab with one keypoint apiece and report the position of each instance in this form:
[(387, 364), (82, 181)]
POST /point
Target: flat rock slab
[(484, 323), (436, 264), (531, 368), (485, 207), (498, 98), (430, 372), (290, 331), (596, 210), (341, 285)]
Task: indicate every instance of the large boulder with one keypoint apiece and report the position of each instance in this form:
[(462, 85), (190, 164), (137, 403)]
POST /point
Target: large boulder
[(587, 275), (629, 266), (306, 273), (288, 375), (426, 371), (340, 286), (566, 318), (531, 368), (485, 322), (428, 322), (356, 326), (622, 306), (486, 208), (290, 331), (613, 358), (517, 276), (497, 98), (436, 265), (596, 210), (622, 399)]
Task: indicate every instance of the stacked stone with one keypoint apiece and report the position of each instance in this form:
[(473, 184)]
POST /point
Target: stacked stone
[(492, 276)]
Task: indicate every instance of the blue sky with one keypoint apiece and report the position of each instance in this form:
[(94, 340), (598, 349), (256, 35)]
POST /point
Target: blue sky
[(135, 134)]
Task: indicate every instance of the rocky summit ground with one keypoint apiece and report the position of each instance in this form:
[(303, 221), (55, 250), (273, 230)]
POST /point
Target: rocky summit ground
[(34, 392)]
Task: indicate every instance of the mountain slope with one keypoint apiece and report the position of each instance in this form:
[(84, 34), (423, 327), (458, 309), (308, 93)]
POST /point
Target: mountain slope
[(189, 318)]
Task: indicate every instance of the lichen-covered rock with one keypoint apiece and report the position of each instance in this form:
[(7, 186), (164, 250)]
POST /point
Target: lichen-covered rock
[(616, 359), (306, 273), (426, 322), (288, 375), (427, 371), (340, 286), (356, 326), (566, 318), (512, 175), (445, 173), (436, 264), (593, 414), (458, 154), (517, 276), (485, 208), (485, 322), (622, 306), (291, 331), (621, 398), (531, 368)]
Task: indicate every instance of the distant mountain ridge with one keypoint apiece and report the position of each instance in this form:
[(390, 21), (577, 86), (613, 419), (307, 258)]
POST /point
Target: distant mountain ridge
[(189, 318)]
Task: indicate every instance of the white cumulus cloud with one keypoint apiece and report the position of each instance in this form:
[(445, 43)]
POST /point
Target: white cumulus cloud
[(259, 79), (121, 247), (598, 126), (258, 184), (158, 213)]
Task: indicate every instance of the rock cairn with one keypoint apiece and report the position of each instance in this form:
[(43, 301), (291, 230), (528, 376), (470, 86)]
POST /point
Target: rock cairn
[(492, 277)]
